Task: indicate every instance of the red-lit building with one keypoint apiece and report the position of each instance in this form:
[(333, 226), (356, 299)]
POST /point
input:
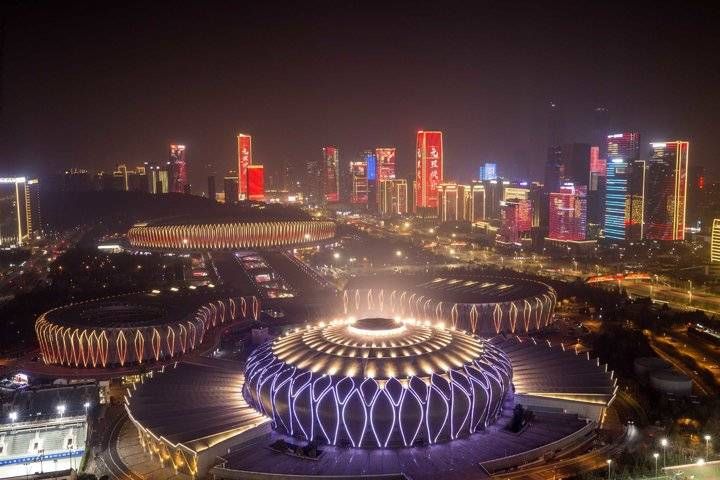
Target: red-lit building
[(597, 165), (177, 169), (568, 213), (428, 168), (255, 182), (516, 218), (329, 177), (244, 147), (666, 191), (385, 163)]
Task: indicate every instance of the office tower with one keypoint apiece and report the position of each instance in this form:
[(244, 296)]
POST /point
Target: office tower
[(516, 220), (568, 213), (488, 171), (715, 241), (121, 176), (329, 178), (244, 158), (385, 163), (428, 168), (666, 194), (596, 187), (370, 159), (477, 202), (575, 159), (211, 187), (313, 183), (624, 145), (32, 206), (624, 200), (493, 190), (601, 128), (517, 190), (697, 196), (554, 169), (359, 182), (19, 210), (555, 125), (231, 187), (255, 182), (393, 197), (454, 202), (177, 169)]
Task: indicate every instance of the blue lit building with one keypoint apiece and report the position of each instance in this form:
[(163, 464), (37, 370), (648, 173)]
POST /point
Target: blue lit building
[(488, 171), (624, 200)]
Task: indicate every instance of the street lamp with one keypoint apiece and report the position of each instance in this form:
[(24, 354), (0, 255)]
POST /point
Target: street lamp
[(707, 445), (398, 253), (664, 444), (655, 456), (700, 461), (13, 416), (61, 410), (86, 405), (609, 464)]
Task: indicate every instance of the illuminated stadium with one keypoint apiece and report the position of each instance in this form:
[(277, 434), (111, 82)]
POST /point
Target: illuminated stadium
[(378, 382), (484, 305), (134, 328), (257, 228)]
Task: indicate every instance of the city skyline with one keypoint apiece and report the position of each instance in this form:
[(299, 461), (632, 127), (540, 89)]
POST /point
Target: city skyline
[(490, 86)]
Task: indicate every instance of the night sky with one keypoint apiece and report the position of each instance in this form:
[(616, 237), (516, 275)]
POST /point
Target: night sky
[(91, 85)]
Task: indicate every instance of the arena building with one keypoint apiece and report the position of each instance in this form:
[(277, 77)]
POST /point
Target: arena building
[(486, 305), (257, 228), (378, 382), (135, 328)]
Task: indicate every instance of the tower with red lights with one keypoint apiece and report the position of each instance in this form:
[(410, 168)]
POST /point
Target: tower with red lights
[(428, 168)]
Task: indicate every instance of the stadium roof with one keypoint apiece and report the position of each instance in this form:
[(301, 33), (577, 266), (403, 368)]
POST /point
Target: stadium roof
[(206, 406), (242, 214), (544, 371)]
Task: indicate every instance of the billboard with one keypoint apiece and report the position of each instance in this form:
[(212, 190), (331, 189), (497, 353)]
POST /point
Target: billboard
[(244, 145), (385, 163), (428, 168), (255, 182), (331, 179)]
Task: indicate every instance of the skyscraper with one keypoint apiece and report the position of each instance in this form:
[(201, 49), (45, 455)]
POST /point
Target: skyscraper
[(715, 242), (568, 213), (393, 197), (244, 154), (370, 159), (428, 168), (19, 210), (624, 188), (488, 171), (516, 220), (211, 187), (454, 202), (177, 169), (478, 204), (359, 182), (329, 178), (666, 196), (554, 169), (231, 187), (385, 163), (255, 183), (576, 163)]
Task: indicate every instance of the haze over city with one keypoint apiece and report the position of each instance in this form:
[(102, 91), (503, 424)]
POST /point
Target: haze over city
[(93, 85)]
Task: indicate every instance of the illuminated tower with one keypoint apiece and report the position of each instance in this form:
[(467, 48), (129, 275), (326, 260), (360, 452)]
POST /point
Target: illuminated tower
[(19, 210), (244, 154), (454, 202), (488, 171), (329, 177), (428, 168), (359, 182), (177, 169), (715, 242), (393, 197), (385, 163), (666, 198), (255, 182), (568, 213), (516, 220), (624, 189)]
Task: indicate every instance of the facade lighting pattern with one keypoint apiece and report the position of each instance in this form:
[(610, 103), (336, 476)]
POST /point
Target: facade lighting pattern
[(82, 345), (519, 315), (378, 382), (229, 235)]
